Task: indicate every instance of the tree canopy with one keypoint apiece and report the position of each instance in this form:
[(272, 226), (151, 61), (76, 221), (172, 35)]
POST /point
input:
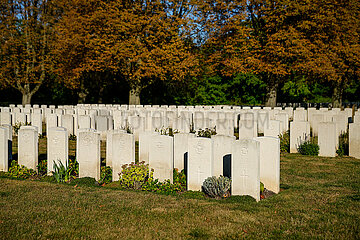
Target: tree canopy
[(187, 51)]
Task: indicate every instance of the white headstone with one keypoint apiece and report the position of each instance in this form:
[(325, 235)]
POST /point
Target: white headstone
[(299, 133), (109, 142), (161, 155), (28, 147), (273, 129), (270, 162), (199, 162), (36, 120), (51, 121), (89, 154), (57, 147), (67, 122), (327, 139), (181, 149), (221, 147), (4, 158), (354, 140), (123, 152), (245, 168), (247, 129), (144, 145), (225, 127)]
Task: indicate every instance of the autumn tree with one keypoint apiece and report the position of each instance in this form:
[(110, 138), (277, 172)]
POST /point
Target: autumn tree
[(317, 39), (135, 40), (25, 37)]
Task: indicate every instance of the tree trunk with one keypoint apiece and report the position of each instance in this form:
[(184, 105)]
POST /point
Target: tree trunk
[(26, 98), (271, 96), (134, 96), (337, 96)]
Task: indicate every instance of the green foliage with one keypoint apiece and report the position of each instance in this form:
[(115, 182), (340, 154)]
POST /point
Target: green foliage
[(343, 145), (167, 131), (85, 181), (61, 173), (285, 142), (209, 90), (247, 89), (138, 176), (262, 187), (66, 173), (73, 168), (309, 148), (134, 175), (127, 128), (42, 168), (19, 171), (179, 177), (105, 175), (207, 132), (217, 187), (72, 137), (18, 125), (297, 89)]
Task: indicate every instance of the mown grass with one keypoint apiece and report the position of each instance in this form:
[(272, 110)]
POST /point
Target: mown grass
[(320, 199)]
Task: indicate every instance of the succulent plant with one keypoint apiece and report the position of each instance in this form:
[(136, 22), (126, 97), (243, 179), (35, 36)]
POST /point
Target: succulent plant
[(217, 187)]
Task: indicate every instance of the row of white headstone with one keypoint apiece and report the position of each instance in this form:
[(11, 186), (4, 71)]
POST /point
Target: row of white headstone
[(249, 161)]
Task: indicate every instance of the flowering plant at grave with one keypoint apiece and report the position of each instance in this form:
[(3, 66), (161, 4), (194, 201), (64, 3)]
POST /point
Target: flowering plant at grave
[(138, 176), (167, 131), (207, 132), (135, 175)]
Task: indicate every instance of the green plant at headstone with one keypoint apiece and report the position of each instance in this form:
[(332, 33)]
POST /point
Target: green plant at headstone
[(343, 145), (217, 187), (61, 173), (18, 125), (285, 142), (167, 131), (72, 137), (73, 168), (262, 187), (127, 128), (309, 148), (135, 175), (138, 176), (105, 175), (42, 168), (19, 171), (179, 178), (207, 132)]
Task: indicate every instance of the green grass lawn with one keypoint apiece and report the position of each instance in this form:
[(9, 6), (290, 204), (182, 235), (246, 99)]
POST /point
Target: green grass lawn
[(320, 198)]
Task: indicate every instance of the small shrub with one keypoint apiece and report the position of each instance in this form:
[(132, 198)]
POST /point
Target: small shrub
[(42, 168), (18, 125), (167, 131), (138, 176), (262, 187), (309, 148), (127, 128), (105, 175), (207, 132), (285, 142), (18, 171), (85, 181), (217, 187), (179, 177), (343, 145), (73, 168), (134, 175), (61, 173)]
